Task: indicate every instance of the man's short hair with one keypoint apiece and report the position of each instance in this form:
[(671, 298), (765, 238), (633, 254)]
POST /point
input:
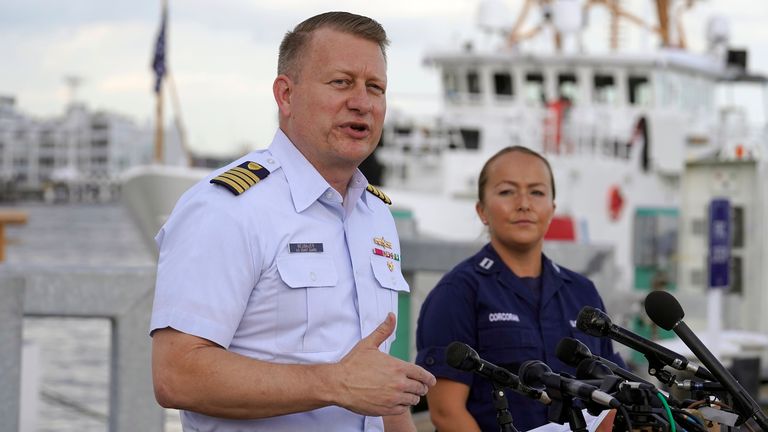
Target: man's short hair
[(294, 42)]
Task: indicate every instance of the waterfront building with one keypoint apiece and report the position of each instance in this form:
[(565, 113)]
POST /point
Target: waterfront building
[(78, 155)]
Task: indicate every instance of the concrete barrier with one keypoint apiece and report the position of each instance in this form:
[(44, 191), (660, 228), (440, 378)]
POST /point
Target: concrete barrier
[(124, 296)]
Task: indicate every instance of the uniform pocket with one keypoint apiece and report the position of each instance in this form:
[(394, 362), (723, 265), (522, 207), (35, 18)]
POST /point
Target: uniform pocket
[(388, 277), (509, 345), (295, 307), (391, 282)]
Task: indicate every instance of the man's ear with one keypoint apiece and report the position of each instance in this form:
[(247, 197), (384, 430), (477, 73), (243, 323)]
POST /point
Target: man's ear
[(282, 89)]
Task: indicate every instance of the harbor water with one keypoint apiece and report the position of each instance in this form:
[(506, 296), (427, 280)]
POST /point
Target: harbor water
[(74, 352)]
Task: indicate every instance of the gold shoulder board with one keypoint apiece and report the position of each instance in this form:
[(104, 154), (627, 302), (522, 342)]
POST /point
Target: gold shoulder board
[(379, 194), (241, 177)]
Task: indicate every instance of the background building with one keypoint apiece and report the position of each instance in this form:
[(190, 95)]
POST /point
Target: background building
[(76, 156)]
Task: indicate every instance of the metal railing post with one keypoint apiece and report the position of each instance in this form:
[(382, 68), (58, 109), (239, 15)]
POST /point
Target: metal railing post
[(11, 322)]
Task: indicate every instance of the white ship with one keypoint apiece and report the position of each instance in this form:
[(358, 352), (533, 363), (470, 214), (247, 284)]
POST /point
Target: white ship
[(639, 142), (621, 129)]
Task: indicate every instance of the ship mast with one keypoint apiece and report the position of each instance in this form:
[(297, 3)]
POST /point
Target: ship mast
[(163, 74), (662, 27)]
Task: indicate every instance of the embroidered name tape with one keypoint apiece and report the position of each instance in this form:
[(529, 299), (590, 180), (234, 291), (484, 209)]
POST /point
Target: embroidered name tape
[(305, 247), (503, 316)]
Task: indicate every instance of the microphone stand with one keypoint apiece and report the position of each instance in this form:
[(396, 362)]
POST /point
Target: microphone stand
[(576, 418), (561, 410), (503, 416)]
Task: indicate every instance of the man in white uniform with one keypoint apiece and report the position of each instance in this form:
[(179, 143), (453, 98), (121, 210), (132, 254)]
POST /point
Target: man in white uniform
[(278, 276)]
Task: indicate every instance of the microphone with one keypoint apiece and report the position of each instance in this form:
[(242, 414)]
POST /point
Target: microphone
[(596, 323), (700, 386), (663, 309), (461, 356), (535, 373), (572, 351), (593, 368)]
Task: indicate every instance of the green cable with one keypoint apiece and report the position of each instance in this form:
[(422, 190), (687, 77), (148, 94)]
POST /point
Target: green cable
[(672, 427)]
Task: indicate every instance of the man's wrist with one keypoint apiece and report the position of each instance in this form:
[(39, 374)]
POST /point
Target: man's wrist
[(329, 388)]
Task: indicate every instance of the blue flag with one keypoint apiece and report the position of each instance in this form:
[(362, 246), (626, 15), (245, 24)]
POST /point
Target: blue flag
[(158, 61)]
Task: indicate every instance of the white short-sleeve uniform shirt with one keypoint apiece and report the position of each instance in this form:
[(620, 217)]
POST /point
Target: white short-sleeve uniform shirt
[(286, 272)]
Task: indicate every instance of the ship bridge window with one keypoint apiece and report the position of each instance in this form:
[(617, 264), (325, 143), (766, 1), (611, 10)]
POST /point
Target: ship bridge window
[(567, 86), (502, 82), (450, 84), (534, 88), (403, 130), (639, 90), (605, 89), (470, 139), (473, 82)]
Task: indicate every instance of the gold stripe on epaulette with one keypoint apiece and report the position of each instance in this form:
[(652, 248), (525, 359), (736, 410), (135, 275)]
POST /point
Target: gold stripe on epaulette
[(229, 184), (244, 178), (247, 173), (379, 194), (235, 179)]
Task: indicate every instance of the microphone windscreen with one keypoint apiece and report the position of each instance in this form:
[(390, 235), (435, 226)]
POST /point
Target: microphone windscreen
[(459, 356), (591, 368), (567, 351), (663, 309), (531, 373), (593, 322)]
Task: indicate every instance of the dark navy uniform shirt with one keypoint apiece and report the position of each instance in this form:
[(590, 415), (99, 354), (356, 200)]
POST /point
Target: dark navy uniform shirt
[(503, 317)]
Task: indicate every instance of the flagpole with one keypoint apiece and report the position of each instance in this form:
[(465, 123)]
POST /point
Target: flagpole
[(159, 66), (159, 126), (178, 119)]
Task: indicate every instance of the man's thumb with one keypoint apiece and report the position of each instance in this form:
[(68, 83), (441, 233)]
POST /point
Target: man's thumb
[(383, 331)]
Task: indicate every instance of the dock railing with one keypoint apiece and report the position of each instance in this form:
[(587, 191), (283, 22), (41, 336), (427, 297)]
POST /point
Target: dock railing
[(124, 296)]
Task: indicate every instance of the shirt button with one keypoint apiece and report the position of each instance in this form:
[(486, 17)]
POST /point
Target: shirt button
[(270, 161), (312, 276), (429, 361)]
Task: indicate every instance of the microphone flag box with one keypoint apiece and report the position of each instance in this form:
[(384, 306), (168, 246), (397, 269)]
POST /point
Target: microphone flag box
[(719, 256)]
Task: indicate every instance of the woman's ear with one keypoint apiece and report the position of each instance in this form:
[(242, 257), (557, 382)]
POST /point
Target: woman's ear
[(481, 212)]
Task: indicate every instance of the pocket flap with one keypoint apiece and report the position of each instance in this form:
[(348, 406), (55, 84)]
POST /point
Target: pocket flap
[(306, 271), (388, 278)]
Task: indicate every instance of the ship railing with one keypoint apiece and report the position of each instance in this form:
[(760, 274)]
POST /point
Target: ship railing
[(585, 133)]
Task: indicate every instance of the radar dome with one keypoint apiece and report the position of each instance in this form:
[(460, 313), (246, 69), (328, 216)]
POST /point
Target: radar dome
[(718, 31), (494, 16)]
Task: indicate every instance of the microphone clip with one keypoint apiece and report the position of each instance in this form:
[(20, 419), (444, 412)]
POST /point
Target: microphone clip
[(656, 369)]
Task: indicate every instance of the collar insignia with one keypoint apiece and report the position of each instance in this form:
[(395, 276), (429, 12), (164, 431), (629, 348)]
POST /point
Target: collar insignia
[(486, 263)]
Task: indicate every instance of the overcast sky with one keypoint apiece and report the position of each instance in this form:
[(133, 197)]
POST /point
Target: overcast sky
[(223, 54)]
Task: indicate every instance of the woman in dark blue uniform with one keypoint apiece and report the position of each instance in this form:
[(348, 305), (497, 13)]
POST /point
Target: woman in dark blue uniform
[(509, 301)]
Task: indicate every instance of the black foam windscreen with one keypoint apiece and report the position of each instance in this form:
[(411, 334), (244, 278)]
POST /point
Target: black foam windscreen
[(569, 352), (591, 368), (593, 322), (663, 309), (460, 356), (531, 372)]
